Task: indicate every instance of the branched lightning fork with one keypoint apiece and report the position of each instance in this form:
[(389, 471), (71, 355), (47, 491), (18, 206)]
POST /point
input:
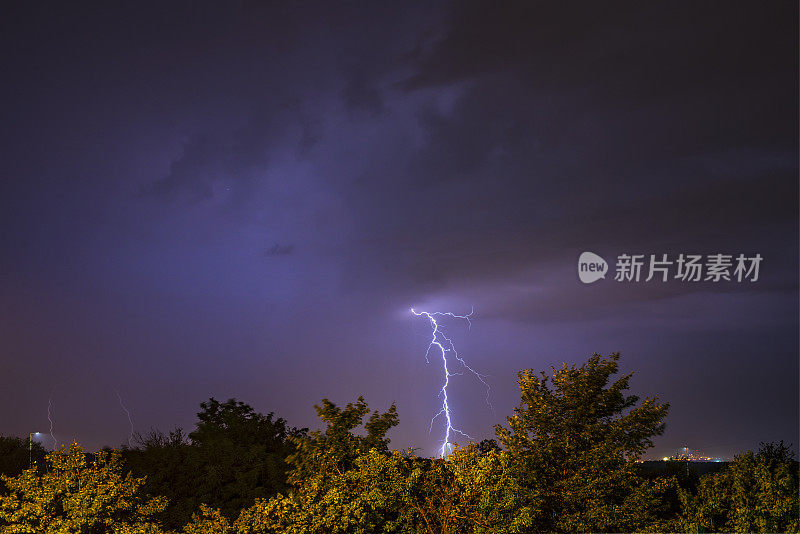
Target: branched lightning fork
[(50, 419), (445, 345), (130, 419)]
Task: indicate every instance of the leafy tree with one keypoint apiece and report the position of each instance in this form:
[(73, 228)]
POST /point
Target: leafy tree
[(208, 521), (15, 455), (233, 456), (78, 495), (488, 445), (472, 491), (342, 481), (336, 449), (574, 441), (756, 493), (167, 461), (491, 499), (681, 475), (365, 498), (240, 454), (775, 453)]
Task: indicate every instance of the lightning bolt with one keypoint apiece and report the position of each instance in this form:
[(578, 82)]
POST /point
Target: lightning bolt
[(445, 345), (50, 419), (130, 419)]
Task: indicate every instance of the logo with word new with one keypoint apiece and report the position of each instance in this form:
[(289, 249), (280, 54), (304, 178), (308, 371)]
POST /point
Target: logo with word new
[(714, 268), (591, 267)]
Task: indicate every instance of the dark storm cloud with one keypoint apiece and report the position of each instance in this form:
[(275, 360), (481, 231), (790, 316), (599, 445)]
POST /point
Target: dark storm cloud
[(280, 250), (244, 200), (309, 136), (551, 133), (611, 50), (282, 88), (192, 172), (361, 91), (223, 158)]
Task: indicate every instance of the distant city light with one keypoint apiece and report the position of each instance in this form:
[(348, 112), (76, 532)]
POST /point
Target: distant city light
[(689, 455)]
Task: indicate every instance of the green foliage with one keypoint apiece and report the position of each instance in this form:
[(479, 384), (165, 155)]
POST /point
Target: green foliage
[(574, 440), (240, 455), (566, 462), (343, 482), (208, 521), (391, 492), (336, 449), (170, 468), (234, 456), (756, 493), (15, 455), (77, 495), (362, 499), (349, 483), (491, 496), (472, 491)]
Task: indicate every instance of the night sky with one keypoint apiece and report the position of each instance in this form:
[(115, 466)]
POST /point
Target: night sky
[(245, 199)]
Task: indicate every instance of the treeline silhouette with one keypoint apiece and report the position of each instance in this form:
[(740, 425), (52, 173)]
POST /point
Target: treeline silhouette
[(565, 461)]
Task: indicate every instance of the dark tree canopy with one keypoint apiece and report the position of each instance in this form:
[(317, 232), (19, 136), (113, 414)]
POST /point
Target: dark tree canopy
[(233, 456), (566, 461), (17, 453), (756, 493)]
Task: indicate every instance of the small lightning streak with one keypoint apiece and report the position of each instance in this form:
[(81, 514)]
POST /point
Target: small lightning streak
[(445, 345), (130, 419), (50, 419)]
